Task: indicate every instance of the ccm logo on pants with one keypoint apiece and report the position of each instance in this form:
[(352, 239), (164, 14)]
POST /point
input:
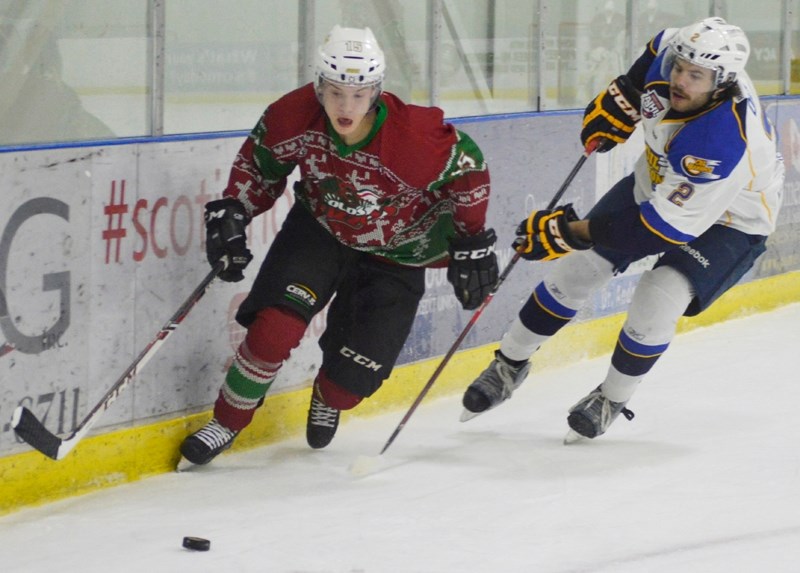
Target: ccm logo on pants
[(359, 359)]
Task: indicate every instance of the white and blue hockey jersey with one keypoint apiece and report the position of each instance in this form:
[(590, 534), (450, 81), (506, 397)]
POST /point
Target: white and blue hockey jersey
[(719, 166)]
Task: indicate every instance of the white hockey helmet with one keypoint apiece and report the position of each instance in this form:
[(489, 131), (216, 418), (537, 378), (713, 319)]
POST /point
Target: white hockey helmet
[(350, 57), (711, 43)]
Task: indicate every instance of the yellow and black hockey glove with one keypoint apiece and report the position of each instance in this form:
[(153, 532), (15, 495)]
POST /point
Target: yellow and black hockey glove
[(545, 235), (612, 116)]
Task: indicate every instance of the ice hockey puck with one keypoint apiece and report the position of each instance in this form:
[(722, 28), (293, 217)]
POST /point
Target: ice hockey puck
[(196, 543)]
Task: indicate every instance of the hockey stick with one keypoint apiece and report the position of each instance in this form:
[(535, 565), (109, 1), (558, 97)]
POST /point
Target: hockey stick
[(476, 315), (29, 428)]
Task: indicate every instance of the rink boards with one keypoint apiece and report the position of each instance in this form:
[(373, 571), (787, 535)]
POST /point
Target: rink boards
[(99, 245)]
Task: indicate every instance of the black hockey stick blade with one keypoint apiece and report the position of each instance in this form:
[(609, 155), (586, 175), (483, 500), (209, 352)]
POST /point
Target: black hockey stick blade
[(29, 428)]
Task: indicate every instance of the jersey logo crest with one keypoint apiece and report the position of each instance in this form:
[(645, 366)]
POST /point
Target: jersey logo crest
[(651, 105), (699, 167)]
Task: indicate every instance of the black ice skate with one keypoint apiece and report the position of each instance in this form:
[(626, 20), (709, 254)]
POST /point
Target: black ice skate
[(592, 416), (207, 443), (494, 385), (322, 422)]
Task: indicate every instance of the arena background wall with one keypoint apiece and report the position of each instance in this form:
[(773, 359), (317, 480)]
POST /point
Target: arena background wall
[(100, 244)]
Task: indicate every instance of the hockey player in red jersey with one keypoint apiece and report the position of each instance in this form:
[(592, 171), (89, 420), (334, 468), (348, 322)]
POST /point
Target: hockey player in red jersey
[(705, 194), (386, 189)]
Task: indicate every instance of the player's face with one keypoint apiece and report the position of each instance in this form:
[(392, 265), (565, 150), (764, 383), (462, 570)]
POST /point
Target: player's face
[(348, 108), (690, 86)]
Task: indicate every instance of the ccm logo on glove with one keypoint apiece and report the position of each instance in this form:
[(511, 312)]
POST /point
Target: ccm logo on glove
[(612, 116), (623, 103), (476, 254)]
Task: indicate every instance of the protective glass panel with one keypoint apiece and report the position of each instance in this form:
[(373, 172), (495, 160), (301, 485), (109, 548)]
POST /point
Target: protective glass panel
[(652, 16), (226, 61), (794, 56), (76, 70), (486, 61), (762, 23), (72, 70)]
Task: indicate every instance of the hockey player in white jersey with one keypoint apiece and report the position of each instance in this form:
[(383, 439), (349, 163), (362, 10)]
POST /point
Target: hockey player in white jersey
[(704, 194)]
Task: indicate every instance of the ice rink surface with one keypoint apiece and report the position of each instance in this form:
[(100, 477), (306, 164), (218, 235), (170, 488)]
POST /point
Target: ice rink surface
[(705, 479)]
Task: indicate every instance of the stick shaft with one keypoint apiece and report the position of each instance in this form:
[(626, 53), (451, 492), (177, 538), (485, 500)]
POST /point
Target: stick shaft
[(476, 315), (30, 429)]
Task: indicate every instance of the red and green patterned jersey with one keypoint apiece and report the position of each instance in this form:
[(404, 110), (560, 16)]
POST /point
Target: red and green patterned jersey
[(401, 194)]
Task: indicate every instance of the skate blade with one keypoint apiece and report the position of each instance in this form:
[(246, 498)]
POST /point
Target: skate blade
[(572, 437), (466, 415), (184, 465)]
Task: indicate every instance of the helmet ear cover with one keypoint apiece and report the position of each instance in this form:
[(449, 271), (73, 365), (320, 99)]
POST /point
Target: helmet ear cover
[(713, 44)]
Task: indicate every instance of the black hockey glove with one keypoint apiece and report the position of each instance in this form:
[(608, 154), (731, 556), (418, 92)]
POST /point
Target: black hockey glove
[(612, 116), (473, 267), (545, 235), (226, 220)]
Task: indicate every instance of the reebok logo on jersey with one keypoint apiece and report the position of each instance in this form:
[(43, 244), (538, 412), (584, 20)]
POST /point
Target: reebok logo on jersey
[(699, 167), (651, 105), (301, 294)]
